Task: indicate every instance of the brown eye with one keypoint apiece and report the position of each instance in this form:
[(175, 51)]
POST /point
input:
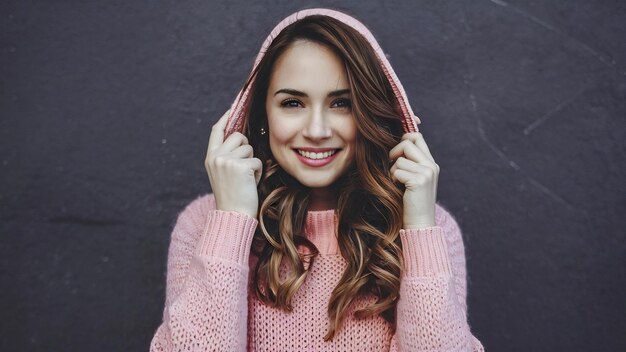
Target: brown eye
[(290, 103), (342, 103)]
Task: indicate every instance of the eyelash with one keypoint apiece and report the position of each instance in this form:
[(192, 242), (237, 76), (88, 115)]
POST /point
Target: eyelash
[(285, 103), (347, 103)]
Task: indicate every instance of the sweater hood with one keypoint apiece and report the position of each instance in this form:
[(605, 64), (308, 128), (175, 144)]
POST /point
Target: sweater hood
[(236, 120)]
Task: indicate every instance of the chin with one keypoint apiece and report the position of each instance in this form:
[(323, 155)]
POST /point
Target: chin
[(314, 184), (312, 177), (311, 181)]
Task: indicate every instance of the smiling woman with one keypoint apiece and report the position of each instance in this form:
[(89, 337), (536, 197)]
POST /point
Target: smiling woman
[(322, 231), (312, 130)]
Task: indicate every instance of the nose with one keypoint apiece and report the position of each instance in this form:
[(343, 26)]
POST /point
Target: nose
[(317, 126)]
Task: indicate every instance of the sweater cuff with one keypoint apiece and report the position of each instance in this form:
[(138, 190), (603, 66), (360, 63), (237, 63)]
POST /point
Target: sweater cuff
[(228, 235), (425, 251)]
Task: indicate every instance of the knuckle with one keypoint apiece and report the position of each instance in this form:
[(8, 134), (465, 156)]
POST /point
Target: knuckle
[(220, 160), (232, 162), (241, 136), (409, 135)]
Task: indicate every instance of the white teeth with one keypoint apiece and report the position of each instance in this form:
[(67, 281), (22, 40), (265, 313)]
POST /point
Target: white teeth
[(311, 155)]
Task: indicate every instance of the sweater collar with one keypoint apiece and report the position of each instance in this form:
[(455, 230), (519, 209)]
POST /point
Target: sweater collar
[(321, 230)]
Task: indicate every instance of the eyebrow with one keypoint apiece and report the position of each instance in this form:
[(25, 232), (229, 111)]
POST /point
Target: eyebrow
[(298, 93)]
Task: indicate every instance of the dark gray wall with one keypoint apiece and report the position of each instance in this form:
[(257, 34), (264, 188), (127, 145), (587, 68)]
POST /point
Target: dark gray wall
[(106, 108)]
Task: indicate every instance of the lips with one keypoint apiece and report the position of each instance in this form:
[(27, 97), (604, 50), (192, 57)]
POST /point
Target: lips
[(316, 150), (316, 157)]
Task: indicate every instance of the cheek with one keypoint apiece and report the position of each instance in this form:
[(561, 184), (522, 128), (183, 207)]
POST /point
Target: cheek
[(349, 132), (279, 134), (275, 144)]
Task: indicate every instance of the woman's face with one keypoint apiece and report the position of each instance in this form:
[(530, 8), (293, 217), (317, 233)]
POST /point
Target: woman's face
[(312, 130)]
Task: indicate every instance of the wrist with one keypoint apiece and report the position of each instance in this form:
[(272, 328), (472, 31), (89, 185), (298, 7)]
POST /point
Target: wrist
[(248, 212), (418, 226), (413, 219), (419, 223)]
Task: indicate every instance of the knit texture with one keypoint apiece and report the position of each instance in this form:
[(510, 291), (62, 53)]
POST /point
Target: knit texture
[(210, 304)]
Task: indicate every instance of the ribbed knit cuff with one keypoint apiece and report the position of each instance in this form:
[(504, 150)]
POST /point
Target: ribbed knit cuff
[(228, 235), (425, 251)]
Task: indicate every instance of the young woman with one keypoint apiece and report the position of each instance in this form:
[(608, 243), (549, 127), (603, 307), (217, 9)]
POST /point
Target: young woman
[(322, 231)]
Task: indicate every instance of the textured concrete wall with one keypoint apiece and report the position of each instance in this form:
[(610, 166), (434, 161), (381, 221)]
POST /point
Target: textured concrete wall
[(106, 108)]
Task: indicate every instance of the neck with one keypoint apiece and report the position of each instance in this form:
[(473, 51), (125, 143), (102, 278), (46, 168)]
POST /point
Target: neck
[(322, 199)]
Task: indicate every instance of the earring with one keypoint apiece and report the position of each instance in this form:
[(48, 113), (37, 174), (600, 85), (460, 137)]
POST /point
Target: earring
[(263, 131)]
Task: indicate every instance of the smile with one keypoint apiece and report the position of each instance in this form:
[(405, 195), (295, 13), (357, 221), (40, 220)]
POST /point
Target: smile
[(316, 159), (311, 155)]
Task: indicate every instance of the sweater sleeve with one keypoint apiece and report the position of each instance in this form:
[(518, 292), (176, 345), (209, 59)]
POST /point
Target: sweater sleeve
[(432, 309), (207, 272)]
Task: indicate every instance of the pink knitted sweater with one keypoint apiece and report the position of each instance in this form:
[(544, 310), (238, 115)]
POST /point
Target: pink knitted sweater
[(210, 304)]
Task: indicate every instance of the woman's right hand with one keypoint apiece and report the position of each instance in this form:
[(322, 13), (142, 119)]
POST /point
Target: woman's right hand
[(233, 171)]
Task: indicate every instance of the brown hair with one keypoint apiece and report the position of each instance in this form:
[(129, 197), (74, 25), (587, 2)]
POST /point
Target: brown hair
[(369, 206)]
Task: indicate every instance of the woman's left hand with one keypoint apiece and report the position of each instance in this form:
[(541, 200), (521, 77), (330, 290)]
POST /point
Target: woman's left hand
[(417, 170)]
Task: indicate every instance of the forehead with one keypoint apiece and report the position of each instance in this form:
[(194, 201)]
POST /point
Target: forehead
[(310, 67)]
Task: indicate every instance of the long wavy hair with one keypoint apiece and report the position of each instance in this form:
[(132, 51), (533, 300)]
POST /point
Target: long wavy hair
[(369, 204)]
